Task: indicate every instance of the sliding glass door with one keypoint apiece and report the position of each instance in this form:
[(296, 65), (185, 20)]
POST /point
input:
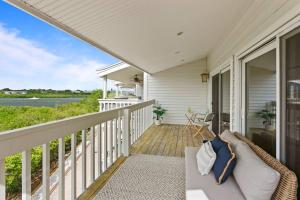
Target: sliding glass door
[(290, 62), (259, 98)]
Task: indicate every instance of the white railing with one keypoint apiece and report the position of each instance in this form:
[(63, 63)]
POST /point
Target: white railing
[(109, 104), (110, 135)]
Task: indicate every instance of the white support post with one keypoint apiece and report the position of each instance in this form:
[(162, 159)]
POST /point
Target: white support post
[(73, 166), (26, 175), (83, 159), (2, 178), (61, 168), (117, 90), (46, 171), (126, 134), (92, 160), (105, 87)]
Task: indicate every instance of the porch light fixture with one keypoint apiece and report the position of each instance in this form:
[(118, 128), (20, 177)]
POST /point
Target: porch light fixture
[(205, 75)]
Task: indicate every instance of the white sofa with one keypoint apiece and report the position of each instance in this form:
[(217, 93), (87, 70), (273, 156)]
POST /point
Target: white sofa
[(205, 187)]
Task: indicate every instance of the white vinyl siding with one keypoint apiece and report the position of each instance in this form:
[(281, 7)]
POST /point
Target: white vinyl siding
[(177, 89), (259, 21), (262, 90)]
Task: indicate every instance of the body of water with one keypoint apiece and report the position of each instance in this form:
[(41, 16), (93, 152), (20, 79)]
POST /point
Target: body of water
[(42, 102)]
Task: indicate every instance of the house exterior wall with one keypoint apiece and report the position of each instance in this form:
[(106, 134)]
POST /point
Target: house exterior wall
[(261, 20), (177, 89)]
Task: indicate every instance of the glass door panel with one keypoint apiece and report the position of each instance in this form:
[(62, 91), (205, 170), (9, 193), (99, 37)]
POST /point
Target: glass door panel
[(225, 101), (260, 101), (290, 143), (215, 103)]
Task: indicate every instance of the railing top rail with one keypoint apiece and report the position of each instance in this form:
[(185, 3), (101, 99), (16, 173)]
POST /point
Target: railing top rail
[(140, 105), (120, 100), (21, 139)]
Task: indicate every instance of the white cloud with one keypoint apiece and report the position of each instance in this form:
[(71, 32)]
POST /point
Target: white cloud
[(25, 64), (22, 55)]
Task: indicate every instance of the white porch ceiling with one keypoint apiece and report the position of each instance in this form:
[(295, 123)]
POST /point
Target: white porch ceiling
[(143, 33)]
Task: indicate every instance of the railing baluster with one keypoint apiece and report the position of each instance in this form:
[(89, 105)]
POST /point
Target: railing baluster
[(99, 149), (136, 132), (92, 161), (2, 178), (73, 166), (126, 133), (61, 168), (26, 175), (105, 146), (115, 139), (139, 124), (132, 128), (83, 159), (143, 119), (111, 142), (46, 171), (119, 135)]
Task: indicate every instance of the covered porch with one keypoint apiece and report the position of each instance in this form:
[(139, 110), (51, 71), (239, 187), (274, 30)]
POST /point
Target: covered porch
[(171, 51)]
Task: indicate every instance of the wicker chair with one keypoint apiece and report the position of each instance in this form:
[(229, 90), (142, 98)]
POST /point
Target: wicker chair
[(287, 187)]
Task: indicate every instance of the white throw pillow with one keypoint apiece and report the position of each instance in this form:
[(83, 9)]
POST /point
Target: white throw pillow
[(205, 158), (256, 179)]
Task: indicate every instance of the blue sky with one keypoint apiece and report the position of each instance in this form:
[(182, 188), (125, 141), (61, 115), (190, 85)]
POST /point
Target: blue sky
[(34, 54)]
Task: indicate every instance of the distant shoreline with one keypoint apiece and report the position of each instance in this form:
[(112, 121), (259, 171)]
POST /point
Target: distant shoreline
[(39, 102), (26, 96)]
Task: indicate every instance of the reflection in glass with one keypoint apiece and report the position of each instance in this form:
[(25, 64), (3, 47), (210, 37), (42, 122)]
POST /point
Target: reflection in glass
[(225, 92)]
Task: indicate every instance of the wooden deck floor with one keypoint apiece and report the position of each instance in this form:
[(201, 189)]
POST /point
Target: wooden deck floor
[(164, 140)]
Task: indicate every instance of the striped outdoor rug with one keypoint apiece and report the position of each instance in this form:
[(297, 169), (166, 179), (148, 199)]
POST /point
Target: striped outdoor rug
[(146, 177)]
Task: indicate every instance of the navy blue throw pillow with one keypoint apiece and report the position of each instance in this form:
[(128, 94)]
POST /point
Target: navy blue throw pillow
[(225, 161), (217, 143)]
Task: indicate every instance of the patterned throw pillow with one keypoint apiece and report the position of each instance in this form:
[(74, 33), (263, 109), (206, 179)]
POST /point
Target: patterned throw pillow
[(225, 161)]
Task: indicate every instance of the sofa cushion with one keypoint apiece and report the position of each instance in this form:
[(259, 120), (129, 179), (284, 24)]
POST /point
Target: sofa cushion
[(229, 137), (205, 158), (256, 179), (225, 161), (202, 187)]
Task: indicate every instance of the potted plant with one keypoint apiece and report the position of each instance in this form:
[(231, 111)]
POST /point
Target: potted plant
[(267, 116), (159, 112)]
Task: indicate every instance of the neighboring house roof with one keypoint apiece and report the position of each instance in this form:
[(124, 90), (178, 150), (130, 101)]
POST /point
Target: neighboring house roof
[(112, 68), (121, 72)]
